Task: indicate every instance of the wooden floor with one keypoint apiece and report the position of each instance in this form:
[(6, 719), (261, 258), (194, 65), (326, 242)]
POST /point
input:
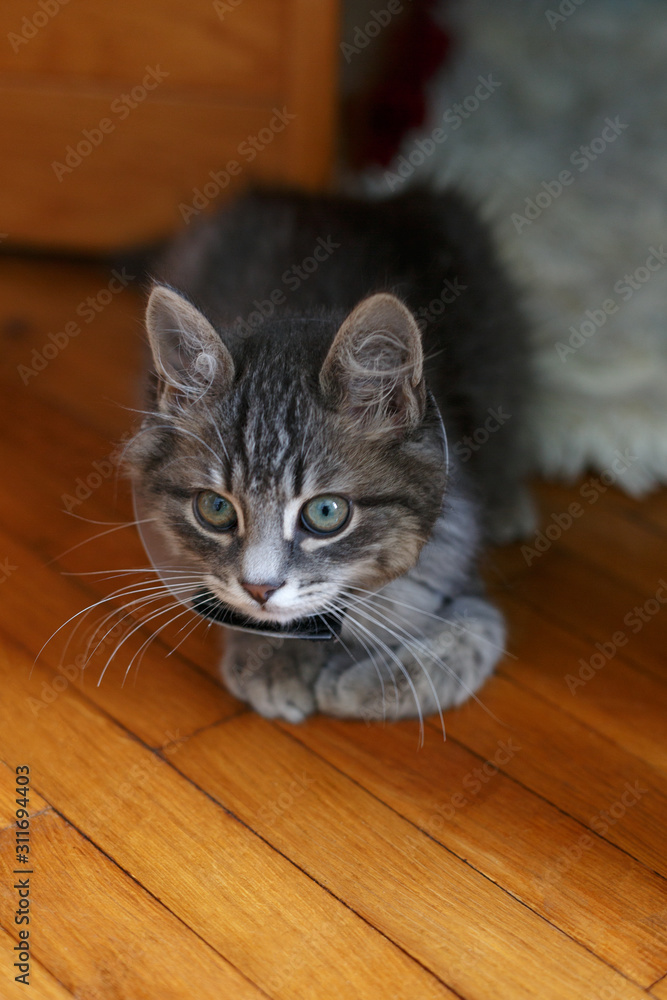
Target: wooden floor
[(181, 846)]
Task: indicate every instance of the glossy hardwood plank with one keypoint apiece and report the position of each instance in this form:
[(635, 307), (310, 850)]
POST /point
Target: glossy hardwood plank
[(548, 861), (609, 528), (42, 983), (132, 941), (214, 874), (592, 682), (570, 765), (596, 606), (8, 804), (626, 548), (400, 880), (659, 989)]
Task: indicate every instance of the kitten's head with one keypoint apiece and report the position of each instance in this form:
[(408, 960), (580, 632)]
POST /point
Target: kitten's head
[(281, 469)]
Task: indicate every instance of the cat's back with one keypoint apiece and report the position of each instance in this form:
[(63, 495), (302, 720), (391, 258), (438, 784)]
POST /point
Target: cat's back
[(271, 255), (298, 250)]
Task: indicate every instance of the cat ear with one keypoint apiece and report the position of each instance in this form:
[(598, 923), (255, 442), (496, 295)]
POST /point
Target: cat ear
[(374, 368), (189, 355)]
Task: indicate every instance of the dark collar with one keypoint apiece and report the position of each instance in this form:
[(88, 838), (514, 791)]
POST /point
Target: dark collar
[(322, 626)]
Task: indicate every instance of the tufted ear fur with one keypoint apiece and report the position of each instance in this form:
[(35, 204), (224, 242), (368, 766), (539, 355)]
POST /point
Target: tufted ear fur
[(374, 369), (189, 355)]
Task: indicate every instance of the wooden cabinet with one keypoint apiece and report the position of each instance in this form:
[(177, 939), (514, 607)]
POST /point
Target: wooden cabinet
[(118, 119)]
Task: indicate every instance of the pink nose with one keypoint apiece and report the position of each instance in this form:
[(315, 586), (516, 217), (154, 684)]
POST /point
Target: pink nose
[(261, 591)]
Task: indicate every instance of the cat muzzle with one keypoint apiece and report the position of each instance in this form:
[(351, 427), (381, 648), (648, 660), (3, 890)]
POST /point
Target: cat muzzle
[(324, 626)]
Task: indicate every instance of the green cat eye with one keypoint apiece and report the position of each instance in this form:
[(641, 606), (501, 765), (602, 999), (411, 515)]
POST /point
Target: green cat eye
[(326, 514), (214, 511)]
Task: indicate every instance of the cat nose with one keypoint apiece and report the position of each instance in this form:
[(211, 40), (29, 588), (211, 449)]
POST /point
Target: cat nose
[(261, 591)]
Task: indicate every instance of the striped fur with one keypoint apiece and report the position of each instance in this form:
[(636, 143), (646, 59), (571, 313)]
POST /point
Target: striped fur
[(328, 394)]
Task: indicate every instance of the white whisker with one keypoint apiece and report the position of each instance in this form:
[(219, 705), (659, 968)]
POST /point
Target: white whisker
[(130, 609), (403, 670), (198, 620), (428, 614), (409, 645), (101, 534), (340, 614), (140, 625), (154, 634), (120, 592), (436, 659)]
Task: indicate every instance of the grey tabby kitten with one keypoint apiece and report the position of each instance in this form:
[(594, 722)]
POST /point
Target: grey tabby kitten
[(294, 476)]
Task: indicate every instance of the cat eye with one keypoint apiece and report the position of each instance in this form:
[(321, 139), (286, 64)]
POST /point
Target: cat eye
[(325, 514), (214, 511)]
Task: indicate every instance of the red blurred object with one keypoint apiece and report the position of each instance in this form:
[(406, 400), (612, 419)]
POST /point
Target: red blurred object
[(397, 101)]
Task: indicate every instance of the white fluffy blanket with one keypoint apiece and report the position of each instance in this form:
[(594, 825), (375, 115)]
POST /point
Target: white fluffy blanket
[(554, 117)]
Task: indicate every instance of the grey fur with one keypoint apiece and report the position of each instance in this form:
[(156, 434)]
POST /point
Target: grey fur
[(329, 395)]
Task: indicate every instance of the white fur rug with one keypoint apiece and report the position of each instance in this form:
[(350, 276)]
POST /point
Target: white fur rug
[(554, 117)]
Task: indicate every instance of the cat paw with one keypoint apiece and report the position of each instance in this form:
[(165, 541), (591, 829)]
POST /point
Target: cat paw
[(276, 682), (352, 693), (287, 698), (365, 690), (439, 671)]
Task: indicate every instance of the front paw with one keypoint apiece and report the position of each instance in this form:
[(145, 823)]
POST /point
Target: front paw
[(355, 691), (378, 691), (435, 670), (275, 676)]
